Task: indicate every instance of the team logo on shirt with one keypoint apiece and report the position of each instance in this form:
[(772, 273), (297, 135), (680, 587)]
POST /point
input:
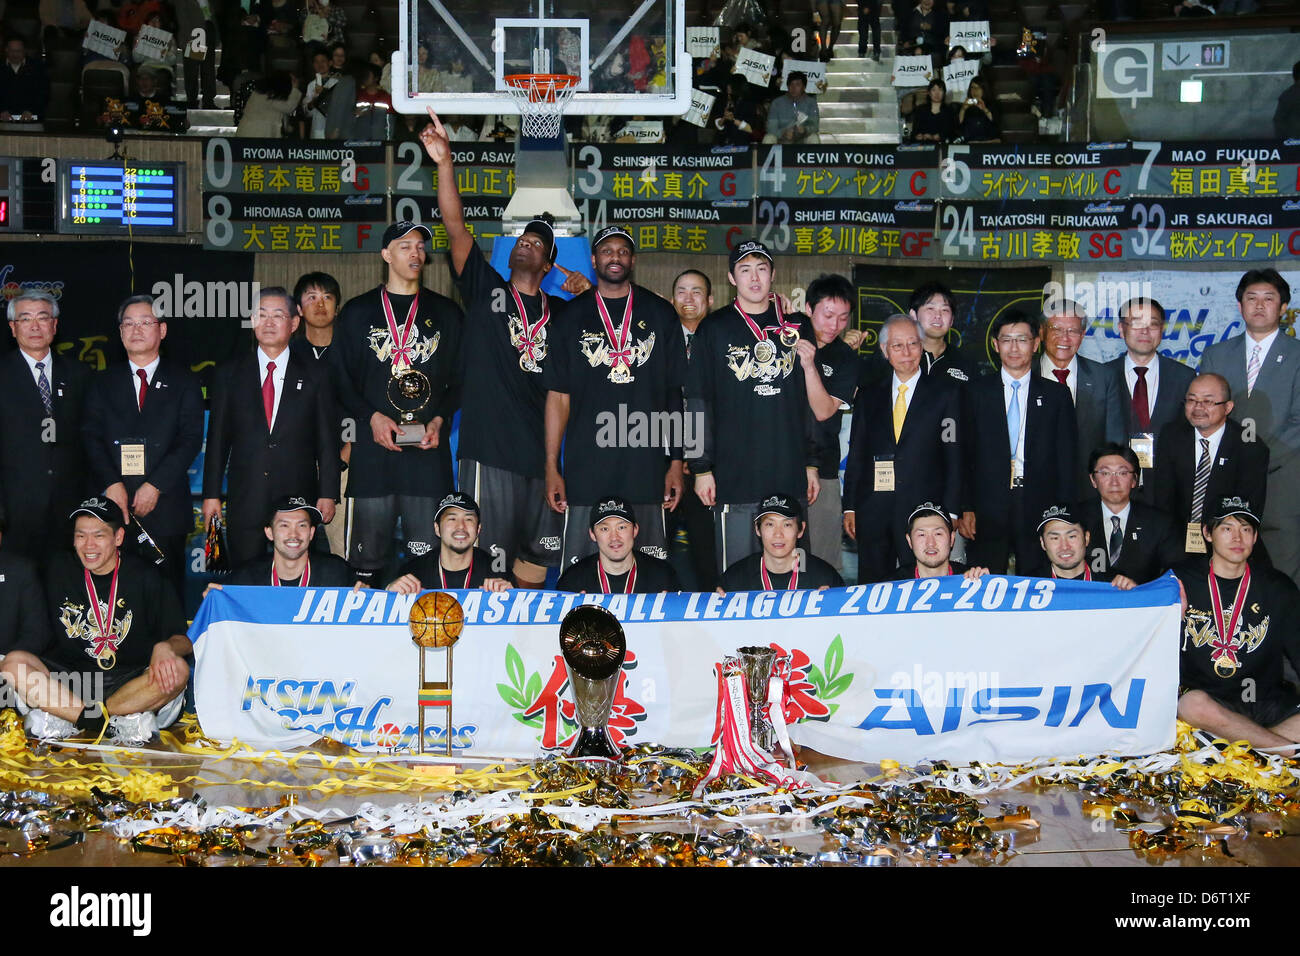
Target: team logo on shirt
[(1199, 627), (764, 362), (532, 352), (79, 625), (595, 347), (420, 349)]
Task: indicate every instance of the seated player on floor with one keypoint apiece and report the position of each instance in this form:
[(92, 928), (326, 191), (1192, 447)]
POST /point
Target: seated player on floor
[(780, 566), (616, 567), (113, 609), (929, 535), (1239, 621), (457, 563), (1065, 542)]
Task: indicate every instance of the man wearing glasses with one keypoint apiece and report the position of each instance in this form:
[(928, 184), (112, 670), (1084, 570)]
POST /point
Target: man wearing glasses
[(143, 427), (1093, 387), (1126, 537), (42, 463), (1204, 458), (274, 421), (1020, 445), (1154, 385)]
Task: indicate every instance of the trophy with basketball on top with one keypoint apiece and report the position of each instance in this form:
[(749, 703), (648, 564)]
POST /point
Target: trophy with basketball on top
[(436, 621)]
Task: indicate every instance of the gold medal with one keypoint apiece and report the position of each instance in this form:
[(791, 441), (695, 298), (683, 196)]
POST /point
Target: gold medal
[(619, 373), (764, 352), (106, 660), (1225, 668), (789, 337)]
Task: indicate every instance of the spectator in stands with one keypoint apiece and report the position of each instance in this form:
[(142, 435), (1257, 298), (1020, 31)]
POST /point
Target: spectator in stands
[(335, 17), (63, 20), (869, 21), (827, 16), (975, 122), (459, 129), (194, 19), (316, 101), (273, 98), (134, 13), (934, 121), (428, 79), (24, 86), (373, 105), (735, 115), (338, 54), (925, 30), (793, 117), (1286, 118), (1044, 66)]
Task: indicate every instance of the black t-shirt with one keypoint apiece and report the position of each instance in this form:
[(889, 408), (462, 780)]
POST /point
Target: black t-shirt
[(617, 435), (317, 355), (758, 435), (1268, 629), (327, 571), (24, 619), (839, 367), (950, 363), (147, 612), (652, 575), (426, 570), (907, 572), (747, 575), (361, 360), (503, 405)]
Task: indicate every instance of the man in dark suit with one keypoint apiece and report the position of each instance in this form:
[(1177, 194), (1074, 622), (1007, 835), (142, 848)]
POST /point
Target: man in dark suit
[(143, 427), (1263, 370), (1153, 385), (1019, 443), (273, 420), (1207, 459), (1094, 387), (42, 463), (903, 446), (1126, 537)]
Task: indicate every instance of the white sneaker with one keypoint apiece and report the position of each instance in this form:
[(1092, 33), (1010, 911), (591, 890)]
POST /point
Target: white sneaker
[(46, 726), (132, 730)]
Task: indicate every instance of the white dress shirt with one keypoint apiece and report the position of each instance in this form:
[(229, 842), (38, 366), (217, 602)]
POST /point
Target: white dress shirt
[(1071, 380), (1107, 514), (1152, 376), (1215, 441), (48, 369), (1265, 344), (277, 378), (1017, 453), (149, 371)]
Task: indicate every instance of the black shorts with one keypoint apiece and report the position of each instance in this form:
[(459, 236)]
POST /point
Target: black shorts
[(95, 686), (370, 534), (515, 519), (1267, 711)]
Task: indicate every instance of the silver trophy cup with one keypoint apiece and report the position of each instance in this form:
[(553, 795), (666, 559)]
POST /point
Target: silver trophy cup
[(593, 645), (757, 665)]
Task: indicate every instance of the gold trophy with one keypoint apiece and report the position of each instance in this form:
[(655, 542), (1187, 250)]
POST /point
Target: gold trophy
[(408, 392), (436, 621)]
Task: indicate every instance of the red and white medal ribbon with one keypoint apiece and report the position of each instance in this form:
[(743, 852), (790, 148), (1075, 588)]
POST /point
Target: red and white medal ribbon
[(1087, 573), (760, 332), (469, 572), (767, 582), (604, 578), (735, 752), (618, 350), (531, 333), (302, 582), (1225, 651), (401, 342), (917, 572), (104, 642)]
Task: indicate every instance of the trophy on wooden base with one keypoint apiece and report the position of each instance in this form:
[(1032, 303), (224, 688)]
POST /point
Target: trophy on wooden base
[(436, 621)]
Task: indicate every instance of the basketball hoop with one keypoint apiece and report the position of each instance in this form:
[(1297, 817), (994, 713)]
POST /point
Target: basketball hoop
[(541, 98)]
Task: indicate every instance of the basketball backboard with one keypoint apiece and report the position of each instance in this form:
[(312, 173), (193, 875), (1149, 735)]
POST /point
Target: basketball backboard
[(629, 55)]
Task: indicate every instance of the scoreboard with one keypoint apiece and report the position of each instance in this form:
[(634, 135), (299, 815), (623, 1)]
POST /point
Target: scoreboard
[(104, 197)]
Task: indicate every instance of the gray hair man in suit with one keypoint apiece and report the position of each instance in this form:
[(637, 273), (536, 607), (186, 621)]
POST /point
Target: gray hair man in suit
[(1263, 369), (1093, 386)]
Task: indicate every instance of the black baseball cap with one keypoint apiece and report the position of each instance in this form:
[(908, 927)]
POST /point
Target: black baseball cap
[(540, 227), (609, 232), (294, 503), (750, 247), (105, 509), (610, 507), (787, 506), (1228, 507), (1066, 513), (929, 508), (398, 229), (457, 499)]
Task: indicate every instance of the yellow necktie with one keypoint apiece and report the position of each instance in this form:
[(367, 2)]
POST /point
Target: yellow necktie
[(900, 411)]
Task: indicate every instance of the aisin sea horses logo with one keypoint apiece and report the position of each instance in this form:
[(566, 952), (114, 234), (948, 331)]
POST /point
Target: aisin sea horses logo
[(548, 710)]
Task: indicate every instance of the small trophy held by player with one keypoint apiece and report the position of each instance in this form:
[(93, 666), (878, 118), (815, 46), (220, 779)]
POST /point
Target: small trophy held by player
[(757, 664), (593, 645), (409, 392)]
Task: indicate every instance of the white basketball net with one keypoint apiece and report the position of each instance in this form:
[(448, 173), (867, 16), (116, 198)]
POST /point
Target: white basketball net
[(541, 98)]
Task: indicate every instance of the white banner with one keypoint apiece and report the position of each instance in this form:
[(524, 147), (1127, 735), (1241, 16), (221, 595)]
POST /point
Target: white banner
[(754, 66), (643, 131), (1200, 309), (814, 69), (104, 39), (1000, 670), (912, 70), (152, 44), (701, 107), (702, 42), (957, 76), (970, 35)]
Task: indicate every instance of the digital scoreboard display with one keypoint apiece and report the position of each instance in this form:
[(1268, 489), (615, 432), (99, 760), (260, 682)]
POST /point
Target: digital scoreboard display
[(112, 198)]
